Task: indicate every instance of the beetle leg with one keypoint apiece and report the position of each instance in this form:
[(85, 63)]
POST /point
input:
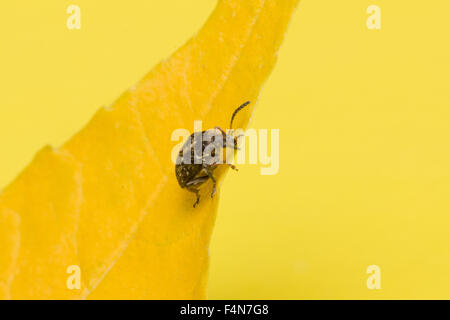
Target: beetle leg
[(195, 190), (211, 167), (197, 181), (232, 147), (232, 144), (236, 140), (191, 186), (208, 171)]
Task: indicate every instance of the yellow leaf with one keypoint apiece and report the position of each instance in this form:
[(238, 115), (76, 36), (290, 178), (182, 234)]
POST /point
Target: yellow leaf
[(108, 200)]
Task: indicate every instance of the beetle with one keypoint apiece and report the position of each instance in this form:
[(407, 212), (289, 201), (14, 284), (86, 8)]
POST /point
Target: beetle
[(198, 156)]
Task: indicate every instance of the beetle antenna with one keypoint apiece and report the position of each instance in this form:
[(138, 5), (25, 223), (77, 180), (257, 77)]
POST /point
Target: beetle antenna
[(236, 111)]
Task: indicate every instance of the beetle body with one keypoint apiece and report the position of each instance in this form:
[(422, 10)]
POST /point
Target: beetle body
[(200, 155)]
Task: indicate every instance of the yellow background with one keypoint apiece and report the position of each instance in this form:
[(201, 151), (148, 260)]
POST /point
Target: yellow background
[(364, 119)]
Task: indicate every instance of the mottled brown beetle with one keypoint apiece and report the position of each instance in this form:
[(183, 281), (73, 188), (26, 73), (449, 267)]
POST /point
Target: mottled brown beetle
[(196, 160)]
